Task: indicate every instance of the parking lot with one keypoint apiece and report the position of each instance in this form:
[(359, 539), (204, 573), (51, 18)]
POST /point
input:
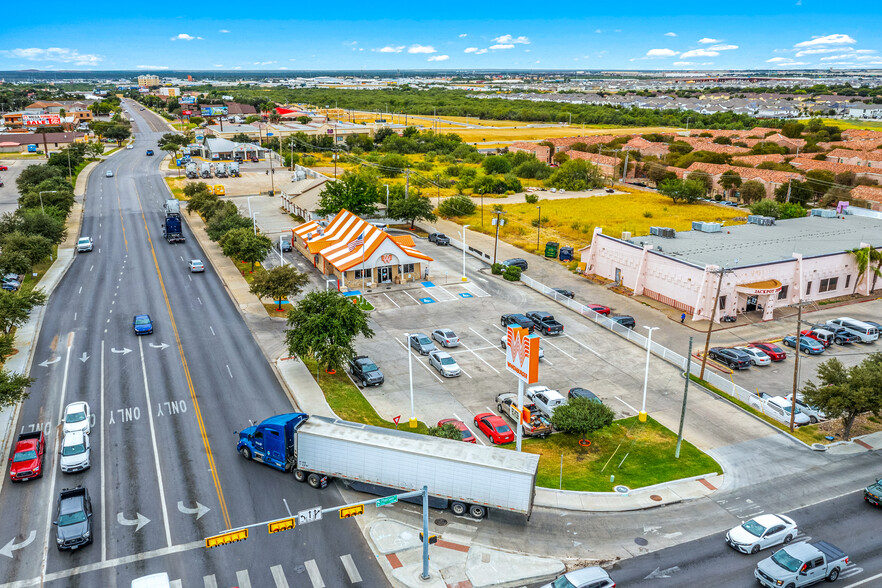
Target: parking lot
[(9, 191)]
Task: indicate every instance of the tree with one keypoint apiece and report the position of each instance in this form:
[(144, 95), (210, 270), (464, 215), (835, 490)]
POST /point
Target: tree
[(393, 165), (705, 178), (226, 218), (15, 307), (560, 158), (240, 138), (792, 210), (95, 149), (729, 180), (863, 257), (655, 172), (381, 134), (35, 247), (33, 221), (459, 205), (278, 283), (13, 388), (446, 431), (581, 416), (687, 190), (792, 129), (846, 393), (577, 174), (356, 192), (14, 262), (34, 175), (322, 327), (414, 208), (754, 191), (764, 207), (244, 245), (496, 164), (533, 169), (117, 133)]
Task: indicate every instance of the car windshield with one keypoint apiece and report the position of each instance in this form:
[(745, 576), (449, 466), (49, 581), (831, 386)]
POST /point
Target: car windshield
[(25, 455), (562, 582), (754, 528), (786, 561), (423, 340), (369, 367), (83, 241), (71, 519), (503, 429), (447, 361), (73, 449), (75, 417), (142, 320)]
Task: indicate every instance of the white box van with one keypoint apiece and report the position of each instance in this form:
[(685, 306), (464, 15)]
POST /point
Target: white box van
[(867, 333)]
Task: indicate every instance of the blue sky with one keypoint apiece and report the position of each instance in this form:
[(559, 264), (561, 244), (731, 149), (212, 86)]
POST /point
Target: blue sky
[(455, 34)]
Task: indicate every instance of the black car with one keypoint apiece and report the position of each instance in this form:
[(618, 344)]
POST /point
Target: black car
[(516, 319), (583, 393), (625, 320), (562, 292), (733, 358), (873, 492), (517, 262), (73, 522), (365, 371)]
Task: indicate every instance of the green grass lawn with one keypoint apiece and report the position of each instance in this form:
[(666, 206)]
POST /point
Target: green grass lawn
[(637, 454)]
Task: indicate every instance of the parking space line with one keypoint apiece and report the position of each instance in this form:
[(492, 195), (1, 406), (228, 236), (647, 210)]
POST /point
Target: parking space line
[(486, 339), (577, 342), (465, 372), (433, 292), (411, 297), (469, 428), (481, 358), (475, 290), (420, 361), (390, 300), (556, 347), (626, 404), (490, 410)]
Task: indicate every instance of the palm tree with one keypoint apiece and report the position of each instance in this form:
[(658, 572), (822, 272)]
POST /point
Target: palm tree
[(865, 256)]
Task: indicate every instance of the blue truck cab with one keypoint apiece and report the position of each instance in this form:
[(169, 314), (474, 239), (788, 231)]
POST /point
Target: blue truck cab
[(273, 441)]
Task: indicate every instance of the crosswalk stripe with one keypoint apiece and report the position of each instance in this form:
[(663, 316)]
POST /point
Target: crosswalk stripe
[(350, 568), (279, 577), (175, 584), (210, 581), (314, 574), (242, 579)]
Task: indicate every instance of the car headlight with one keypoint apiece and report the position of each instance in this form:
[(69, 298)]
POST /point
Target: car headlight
[(59, 540), (87, 534)]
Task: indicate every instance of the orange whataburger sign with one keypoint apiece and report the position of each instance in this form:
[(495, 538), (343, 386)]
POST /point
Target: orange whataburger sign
[(522, 354)]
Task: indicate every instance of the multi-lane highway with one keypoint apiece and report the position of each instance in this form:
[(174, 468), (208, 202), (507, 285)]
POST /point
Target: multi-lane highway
[(165, 472)]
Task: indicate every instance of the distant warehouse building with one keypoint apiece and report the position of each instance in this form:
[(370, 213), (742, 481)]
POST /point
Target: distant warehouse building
[(773, 263)]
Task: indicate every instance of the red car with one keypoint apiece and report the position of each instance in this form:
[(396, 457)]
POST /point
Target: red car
[(27, 462), (494, 427), (466, 432), (3, 168), (772, 350), (599, 308)]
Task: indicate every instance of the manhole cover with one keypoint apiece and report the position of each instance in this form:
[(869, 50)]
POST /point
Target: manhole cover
[(441, 522), (622, 489), (655, 497), (641, 541), (300, 569), (819, 447)]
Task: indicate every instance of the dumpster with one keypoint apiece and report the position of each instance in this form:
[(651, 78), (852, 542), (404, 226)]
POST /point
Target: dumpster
[(551, 249), (566, 254)]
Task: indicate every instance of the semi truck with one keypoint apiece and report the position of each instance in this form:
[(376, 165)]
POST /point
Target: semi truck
[(192, 171), (172, 230), (234, 169), (206, 170), (470, 479), (172, 207), (220, 170)]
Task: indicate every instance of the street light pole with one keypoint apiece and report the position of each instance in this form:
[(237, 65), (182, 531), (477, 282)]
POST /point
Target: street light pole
[(464, 227), (498, 214), (254, 222), (538, 228), (413, 421), (642, 416), (41, 198)]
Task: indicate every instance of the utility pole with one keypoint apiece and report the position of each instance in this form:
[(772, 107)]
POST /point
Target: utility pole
[(713, 313), (685, 393), (625, 167), (498, 222), (538, 228), (795, 364), (407, 183), (789, 184)]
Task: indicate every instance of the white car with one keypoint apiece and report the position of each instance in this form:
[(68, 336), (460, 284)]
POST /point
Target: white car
[(445, 364), (75, 452), (196, 265), (77, 417), (84, 244), (109, 173), (504, 339), (757, 356), (445, 337), (130, 146), (761, 532), (811, 412)]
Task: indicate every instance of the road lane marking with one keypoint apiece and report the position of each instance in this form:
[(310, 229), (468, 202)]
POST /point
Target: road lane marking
[(103, 454), (411, 297), (577, 342), (350, 568), (314, 575), (228, 370), (209, 581), (212, 330), (242, 579), (545, 339), (279, 576), (155, 448)]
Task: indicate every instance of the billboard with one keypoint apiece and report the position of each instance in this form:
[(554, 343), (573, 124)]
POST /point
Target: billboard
[(522, 354), (35, 120), (187, 100), (186, 112), (214, 110)]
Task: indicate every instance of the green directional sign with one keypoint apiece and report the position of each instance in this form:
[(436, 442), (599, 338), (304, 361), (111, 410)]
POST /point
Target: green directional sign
[(387, 500)]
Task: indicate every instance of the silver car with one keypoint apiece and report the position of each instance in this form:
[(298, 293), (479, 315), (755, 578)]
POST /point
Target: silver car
[(75, 452), (445, 337), (445, 364), (761, 532), (84, 244), (757, 356), (422, 344)]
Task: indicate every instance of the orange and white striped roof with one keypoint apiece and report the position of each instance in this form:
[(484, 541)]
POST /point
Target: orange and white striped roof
[(332, 242)]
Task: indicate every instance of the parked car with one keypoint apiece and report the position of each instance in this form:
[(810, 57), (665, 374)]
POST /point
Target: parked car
[(583, 393), (196, 265), (75, 452), (11, 282), (875, 325), (822, 336), (761, 532), (422, 344), (517, 262), (873, 493), (444, 363), (545, 322), (545, 399), (77, 417), (365, 371), (494, 427), (591, 577), (4, 168), (780, 409), (504, 342), (143, 324), (467, 435), (445, 337), (774, 352), (844, 337), (566, 293), (867, 332), (814, 414), (806, 344), (538, 426), (84, 244), (757, 356), (442, 239), (516, 319), (599, 309), (109, 173), (625, 320), (732, 358)]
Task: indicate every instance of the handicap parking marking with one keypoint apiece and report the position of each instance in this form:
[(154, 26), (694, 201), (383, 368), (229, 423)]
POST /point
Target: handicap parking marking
[(428, 284), (439, 294), (427, 300), (465, 295)]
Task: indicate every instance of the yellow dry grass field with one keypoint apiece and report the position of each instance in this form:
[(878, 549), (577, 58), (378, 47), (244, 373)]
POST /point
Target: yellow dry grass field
[(571, 221), (854, 124), (540, 133)]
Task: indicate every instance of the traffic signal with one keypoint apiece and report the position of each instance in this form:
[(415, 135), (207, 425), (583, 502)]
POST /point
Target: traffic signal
[(432, 539)]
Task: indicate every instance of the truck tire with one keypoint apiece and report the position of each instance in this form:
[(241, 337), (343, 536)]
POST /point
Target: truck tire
[(838, 340), (791, 585), (477, 511), (458, 508), (314, 480), (834, 575), (245, 452), (364, 383), (300, 475)]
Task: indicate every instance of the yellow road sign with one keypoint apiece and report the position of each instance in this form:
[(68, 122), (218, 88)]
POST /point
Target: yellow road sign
[(225, 538), (283, 525), (351, 511)]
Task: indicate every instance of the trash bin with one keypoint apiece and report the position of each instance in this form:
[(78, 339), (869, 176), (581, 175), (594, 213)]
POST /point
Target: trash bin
[(566, 254), (551, 249)]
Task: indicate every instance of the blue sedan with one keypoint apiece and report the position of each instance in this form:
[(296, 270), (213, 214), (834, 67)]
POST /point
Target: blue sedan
[(806, 344), (143, 324)]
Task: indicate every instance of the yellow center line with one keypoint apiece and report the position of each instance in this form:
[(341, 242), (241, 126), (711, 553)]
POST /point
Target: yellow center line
[(121, 222), (217, 485)]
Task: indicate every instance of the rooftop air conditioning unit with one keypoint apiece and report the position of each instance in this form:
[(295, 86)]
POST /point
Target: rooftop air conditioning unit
[(626, 235), (823, 212), (654, 231), (667, 233), (711, 227), (697, 225)]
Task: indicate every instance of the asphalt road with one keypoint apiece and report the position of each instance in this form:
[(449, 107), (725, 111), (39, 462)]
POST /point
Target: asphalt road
[(165, 473)]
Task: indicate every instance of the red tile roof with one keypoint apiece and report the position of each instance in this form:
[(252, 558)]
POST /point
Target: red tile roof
[(755, 160), (836, 168)]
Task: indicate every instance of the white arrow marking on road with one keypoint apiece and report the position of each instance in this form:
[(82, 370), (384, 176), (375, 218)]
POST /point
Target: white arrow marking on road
[(85, 357), (659, 573), (48, 362), (13, 546), (200, 509), (140, 521), (160, 346), (124, 350)]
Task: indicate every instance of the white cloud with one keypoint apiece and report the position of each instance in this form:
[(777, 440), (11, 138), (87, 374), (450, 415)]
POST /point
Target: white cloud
[(660, 53), (598, 31), (866, 57), (463, 36), (238, 67), (864, 51), (707, 63), (439, 58), (836, 39), (218, 65), (785, 61), (480, 52), (283, 67), (55, 54), (723, 47), (264, 62), (421, 49), (350, 43), (822, 50), (682, 63), (707, 41), (671, 35), (185, 37), (151, 67), (471, 50), (508, 39), (700, 53), (502, 46), (527, 50), (223, 31), (390, 49), (778, 60), (835, 57)]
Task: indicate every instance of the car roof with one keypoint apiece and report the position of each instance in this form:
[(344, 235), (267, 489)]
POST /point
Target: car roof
[(73, 437), (78, 406), (85, 238), (440, 354), (767, 520), (587, 574)]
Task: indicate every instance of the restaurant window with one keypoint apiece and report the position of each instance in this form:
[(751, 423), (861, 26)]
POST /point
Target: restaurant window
[(828, 285), (782, 295)]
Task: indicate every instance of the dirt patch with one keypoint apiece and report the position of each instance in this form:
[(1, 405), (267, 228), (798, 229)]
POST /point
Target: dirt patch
[(863, 425)]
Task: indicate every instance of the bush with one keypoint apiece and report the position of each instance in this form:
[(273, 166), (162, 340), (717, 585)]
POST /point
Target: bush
[(496, 269), (512, 273), (459, 205), (531, 198), (647, 214), (581, 416)]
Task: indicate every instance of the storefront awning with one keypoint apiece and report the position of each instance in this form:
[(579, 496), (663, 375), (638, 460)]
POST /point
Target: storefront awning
[(755, 288)]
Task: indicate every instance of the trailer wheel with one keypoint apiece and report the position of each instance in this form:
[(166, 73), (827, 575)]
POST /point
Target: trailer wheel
[(458, 508), (314, 480), (300, 475), (245, 452), (477, 511)]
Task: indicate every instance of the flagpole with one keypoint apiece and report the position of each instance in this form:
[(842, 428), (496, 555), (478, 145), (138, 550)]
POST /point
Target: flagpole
[(362, 266)]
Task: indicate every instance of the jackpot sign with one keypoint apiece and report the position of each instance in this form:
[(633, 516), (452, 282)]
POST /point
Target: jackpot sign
[(522, 354)]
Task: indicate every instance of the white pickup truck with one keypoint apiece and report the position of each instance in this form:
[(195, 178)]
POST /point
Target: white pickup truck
[(545, 399), (801, 564)]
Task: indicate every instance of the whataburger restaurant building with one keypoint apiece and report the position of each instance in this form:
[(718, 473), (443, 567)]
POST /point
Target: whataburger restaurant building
[(337, 250)]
